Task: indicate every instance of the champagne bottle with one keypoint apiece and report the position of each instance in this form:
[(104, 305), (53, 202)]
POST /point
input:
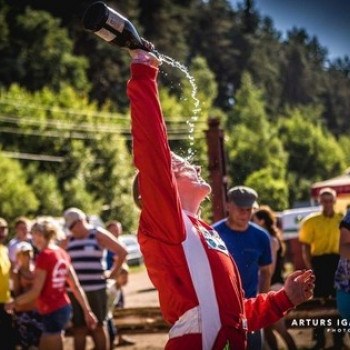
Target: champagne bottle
[(111, 26)]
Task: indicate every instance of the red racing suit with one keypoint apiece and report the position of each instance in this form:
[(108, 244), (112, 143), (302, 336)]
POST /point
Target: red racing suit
[(199, 287)]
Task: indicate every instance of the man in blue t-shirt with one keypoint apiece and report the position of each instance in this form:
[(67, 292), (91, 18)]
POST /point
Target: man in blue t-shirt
[(249, 245)]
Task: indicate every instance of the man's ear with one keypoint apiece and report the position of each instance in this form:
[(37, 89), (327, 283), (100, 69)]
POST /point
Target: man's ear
[(136, 191)]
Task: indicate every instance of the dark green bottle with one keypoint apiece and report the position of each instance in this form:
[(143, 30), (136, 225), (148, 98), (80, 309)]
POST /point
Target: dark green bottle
[(111, 26)]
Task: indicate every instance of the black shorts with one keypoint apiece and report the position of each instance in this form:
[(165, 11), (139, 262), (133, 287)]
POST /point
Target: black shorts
[(98, 303), (324, 267)]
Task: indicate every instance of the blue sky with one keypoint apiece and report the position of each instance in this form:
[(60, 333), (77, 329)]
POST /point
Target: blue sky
[(328, 20)]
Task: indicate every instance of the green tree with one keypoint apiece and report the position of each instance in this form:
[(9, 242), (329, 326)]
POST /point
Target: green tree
[(264, 64), (46, 190), (17, 198), (314, 153), (272, 190), (336, 98), (76, 195), (216, 36), (302, 69), (249, 108), (166, 22), (86, 146), (39, 53), (344, 143), (252, 142), (111, 180)]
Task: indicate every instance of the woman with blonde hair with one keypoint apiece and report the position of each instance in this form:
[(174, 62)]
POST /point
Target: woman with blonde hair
[(52, 270)]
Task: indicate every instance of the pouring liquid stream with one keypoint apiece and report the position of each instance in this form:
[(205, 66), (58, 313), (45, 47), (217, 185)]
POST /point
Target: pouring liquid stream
[(194, 117)]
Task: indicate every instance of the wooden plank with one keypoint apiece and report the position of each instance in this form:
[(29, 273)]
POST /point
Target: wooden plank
[(140, 320)]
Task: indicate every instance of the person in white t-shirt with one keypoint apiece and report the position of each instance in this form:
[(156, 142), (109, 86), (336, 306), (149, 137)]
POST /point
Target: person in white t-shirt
[(22, 226)]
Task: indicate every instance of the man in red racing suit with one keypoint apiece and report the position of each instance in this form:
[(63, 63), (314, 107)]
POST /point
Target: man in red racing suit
[(199, 287)]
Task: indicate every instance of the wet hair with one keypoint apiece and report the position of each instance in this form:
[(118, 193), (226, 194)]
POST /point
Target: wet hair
[(177, 163), (47, 228), (266, 213)]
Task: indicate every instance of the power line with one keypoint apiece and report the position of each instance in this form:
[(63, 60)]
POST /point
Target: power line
[(64, 125), (76, 135), (106, 115), (31, 156)]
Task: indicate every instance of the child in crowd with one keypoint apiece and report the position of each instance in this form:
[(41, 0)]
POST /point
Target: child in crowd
[(27, 318), (114, 292)]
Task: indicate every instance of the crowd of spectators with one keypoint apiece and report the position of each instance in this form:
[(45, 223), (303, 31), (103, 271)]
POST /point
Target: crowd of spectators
[(53, 277)]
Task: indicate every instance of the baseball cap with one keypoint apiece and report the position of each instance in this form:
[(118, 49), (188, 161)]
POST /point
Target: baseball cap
[(23, 247), (242, 196), (329, 191), (72, 215)]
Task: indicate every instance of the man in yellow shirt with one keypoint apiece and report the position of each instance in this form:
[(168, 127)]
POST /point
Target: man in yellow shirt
[(319, 237), (6, 330)]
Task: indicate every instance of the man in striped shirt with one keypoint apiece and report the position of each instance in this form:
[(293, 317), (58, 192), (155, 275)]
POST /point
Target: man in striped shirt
[(86, 249)]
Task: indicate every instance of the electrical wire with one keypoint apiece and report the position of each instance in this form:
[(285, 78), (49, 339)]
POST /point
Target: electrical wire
[(84, 126), (82, 136), (31, 156), (106, 115)]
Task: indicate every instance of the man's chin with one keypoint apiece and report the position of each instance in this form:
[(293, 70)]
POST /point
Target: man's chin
[(206, 188)]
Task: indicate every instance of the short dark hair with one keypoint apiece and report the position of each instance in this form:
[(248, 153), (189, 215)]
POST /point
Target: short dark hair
[(135, 189), (113, 222), (21, 220)]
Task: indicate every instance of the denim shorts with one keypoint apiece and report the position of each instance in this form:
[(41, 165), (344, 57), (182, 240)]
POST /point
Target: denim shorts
[(56, 321)]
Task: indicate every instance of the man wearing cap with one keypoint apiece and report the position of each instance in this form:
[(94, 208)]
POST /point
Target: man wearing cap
[(249, 245), (319, 237), (86, 248), (6, 331)]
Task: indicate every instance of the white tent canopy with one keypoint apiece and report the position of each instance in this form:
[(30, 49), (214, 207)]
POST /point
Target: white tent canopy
[(341, 184)]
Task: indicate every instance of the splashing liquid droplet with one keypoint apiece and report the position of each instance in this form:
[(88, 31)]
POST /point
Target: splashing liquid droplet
[(194, 117)]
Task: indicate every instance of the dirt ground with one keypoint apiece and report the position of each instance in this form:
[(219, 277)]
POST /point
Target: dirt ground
[(140, 293)]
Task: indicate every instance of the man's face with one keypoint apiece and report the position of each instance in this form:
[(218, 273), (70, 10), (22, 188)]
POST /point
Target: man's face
[(22, 229), (239, 216), (3, 234), (75, 227), (327, 201), (122, 279), (188, 180), (115, 229)]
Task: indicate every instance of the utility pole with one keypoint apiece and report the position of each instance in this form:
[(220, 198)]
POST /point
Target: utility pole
[(217, 168)]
